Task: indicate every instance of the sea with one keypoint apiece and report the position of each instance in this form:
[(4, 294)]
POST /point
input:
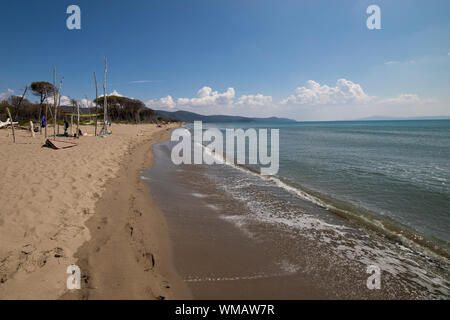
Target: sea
[(350, 194)]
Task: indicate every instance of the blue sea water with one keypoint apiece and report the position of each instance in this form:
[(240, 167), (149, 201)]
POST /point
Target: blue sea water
[(394, 171), (347, 195)]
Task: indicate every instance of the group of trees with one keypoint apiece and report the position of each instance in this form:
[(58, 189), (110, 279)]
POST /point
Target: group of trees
[(123, 109), (26, 112), (22, 109), (120, 109)]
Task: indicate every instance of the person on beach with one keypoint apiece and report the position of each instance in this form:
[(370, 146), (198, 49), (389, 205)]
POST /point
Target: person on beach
[(66, 127), (43, 122)]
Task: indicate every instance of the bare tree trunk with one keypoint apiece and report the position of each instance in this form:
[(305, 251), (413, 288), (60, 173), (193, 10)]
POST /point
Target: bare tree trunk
[(89, 109), (96, 103), (57, 113), (32, 129), (40, 117), (59, 102), (12, 125), (51, 112), (16, 114), (105, 101), (55, 97), (71, 125), (45, 115), (78, 120), (57, 122), (40, 113), (46, 121)]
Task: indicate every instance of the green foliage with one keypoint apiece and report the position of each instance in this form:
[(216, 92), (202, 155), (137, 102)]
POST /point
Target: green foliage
[(42, 89), (125, 109), (120, 109), (26, 112)]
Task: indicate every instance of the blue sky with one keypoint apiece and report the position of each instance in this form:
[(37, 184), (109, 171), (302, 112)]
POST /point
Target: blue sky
[(277, 57)]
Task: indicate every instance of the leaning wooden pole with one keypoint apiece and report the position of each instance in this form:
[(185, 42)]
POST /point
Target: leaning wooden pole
[(71, 125), (32, 128), (16, 114), (57, 110), (59, 101), (105, 101), (12, 125), (40, 119), (96, 103), (78, 119), (55, 98), (46, 119)]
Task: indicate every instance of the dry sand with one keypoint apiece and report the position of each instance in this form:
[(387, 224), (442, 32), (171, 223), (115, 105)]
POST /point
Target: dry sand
[(84, 205)]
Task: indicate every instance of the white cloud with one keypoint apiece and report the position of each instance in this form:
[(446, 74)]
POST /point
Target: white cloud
[(345, 100), (115, 93), (85, 103), (207, 97), (64, 101), (255, 100), (165, 103), (67, 101), (345, 92), (406, 98), (389, 63), (141, 81), (213, 102), (4, 95)]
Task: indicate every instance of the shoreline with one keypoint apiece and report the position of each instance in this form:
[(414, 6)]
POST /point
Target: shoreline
[(216, 259), (129, 255), (262, 242)]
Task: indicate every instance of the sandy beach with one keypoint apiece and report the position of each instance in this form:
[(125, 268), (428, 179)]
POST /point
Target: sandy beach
[(87, 206)]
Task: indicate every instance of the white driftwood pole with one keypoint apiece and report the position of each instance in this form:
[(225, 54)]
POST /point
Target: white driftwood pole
[(12, 125), (16, 114), (40, 119), (78, 119), (59, 101), (105, 101), (46, 119), (32, 129), (55, 98), (96, 103)]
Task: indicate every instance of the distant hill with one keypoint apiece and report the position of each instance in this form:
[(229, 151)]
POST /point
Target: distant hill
[(379, 118), (187, 116)]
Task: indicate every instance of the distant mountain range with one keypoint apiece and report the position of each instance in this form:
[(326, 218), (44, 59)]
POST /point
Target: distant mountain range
[(187, 116), (375, 118)]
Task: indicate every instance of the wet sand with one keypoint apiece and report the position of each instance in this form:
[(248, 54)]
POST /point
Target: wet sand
[(222, 252), (216, 259)]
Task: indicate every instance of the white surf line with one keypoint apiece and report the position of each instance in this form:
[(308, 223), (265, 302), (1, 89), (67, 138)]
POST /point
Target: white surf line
[(300, 193), (249, 277)]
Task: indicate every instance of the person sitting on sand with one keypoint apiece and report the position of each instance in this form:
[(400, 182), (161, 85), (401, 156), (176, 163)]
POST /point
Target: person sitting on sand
[(80, 134)]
